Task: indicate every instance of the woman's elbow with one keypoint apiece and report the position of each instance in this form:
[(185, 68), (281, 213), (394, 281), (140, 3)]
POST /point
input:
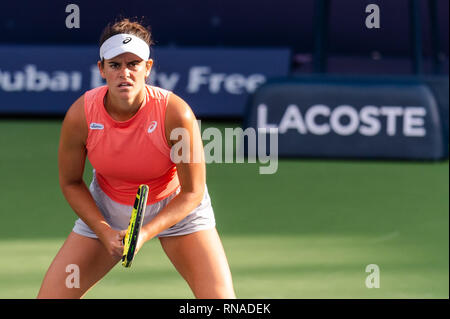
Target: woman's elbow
[(195, 196)]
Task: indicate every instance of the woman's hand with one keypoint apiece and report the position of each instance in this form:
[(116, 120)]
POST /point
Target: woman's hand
[(113, 241), (141, 240)]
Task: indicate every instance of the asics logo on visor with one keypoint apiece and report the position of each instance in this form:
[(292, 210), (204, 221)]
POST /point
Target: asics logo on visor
[(126, 40)]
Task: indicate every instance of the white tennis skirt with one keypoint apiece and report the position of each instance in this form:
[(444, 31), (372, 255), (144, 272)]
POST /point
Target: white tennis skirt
[(118, 215)]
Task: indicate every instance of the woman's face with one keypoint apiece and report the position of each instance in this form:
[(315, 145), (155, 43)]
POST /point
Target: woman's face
[(125, 74)]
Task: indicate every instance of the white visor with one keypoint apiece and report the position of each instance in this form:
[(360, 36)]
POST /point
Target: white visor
[(121, 43)]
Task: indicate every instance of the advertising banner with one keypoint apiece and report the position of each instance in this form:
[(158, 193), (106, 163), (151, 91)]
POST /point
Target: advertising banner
[(214, 82), (349, 118)]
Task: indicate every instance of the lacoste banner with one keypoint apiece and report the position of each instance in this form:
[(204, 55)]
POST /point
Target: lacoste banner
[(215, 82), (349, 118)]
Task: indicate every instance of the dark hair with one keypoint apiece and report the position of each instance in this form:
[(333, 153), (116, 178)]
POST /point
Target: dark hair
[(125, 25)]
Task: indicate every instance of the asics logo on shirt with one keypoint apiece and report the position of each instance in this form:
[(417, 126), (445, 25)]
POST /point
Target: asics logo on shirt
[(96, 126), (152, 126)]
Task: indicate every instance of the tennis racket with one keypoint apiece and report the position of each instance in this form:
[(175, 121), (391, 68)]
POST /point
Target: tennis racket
[(134, 227)]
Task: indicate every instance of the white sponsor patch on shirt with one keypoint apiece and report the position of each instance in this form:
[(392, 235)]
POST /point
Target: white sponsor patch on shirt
[(96, 126)]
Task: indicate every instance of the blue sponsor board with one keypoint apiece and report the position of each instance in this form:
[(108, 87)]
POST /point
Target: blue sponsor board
[(350, 118), (215, 82)]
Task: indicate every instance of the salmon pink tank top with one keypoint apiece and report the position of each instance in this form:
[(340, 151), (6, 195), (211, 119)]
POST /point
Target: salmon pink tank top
[(127, 154)]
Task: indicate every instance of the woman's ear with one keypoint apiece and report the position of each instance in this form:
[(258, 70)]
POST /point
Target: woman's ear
[(148, 66), (100, 68)]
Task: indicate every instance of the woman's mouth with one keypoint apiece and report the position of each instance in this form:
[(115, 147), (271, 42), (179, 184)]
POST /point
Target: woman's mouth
[(124, 85)]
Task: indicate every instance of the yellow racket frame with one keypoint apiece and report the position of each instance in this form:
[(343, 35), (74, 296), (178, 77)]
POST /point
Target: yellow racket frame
[(134, 226)]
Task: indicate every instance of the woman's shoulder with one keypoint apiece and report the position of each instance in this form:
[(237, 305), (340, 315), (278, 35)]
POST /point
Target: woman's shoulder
[(156, 92), (80, 112), (178, 112), (94, 92), (75, 113)]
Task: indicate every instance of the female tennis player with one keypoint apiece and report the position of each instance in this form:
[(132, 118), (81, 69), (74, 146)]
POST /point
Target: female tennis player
[(124, 128)]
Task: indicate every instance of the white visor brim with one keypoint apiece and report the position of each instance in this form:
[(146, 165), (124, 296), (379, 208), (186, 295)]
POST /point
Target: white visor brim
[(122, 43)]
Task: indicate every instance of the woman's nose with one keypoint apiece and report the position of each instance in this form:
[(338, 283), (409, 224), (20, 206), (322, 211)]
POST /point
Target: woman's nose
[(124, 71)]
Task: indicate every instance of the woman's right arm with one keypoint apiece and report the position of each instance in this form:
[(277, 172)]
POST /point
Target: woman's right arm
[(71, 161)]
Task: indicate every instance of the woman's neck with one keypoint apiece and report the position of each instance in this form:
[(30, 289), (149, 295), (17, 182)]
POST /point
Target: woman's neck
[(120, 109)]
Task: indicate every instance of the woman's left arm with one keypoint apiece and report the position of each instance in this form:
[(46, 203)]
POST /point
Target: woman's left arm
[(181, 123)]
